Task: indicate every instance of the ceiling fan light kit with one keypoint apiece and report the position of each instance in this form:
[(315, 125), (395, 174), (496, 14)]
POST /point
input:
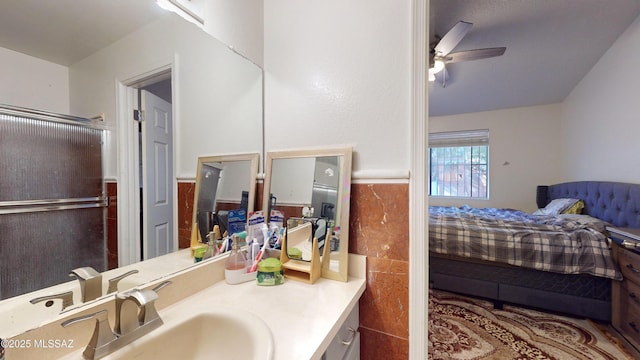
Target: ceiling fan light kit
[(441, 54), (438, 66)]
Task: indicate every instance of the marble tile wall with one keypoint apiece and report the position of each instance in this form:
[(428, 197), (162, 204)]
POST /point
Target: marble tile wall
[(186, 190), (378, 229), (112, 225)]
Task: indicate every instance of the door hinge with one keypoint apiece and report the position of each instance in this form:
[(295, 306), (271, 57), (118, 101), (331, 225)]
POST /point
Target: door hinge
[(138, 115)]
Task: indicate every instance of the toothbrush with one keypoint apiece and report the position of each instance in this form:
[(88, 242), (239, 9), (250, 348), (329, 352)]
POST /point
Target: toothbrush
[(280, 236), (254, 267), (223, 247)]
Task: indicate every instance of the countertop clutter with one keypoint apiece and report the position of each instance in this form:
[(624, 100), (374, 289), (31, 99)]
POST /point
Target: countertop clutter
[(303, 318)]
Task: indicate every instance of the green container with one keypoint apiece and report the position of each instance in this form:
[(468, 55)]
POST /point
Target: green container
[(294, 253), (270, 272)]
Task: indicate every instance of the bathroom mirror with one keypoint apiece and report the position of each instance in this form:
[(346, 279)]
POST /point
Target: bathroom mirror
[(206, 125), (223, 183), (314, 184)]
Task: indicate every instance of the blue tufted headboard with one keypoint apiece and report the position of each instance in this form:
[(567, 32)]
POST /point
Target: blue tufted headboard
[(614, 202)]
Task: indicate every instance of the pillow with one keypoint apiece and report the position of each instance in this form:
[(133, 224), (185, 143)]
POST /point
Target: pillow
[(588, 221), (576, 208), (560, 206)]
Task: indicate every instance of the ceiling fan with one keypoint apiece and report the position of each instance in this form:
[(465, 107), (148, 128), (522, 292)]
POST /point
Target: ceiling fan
[(441, 54)]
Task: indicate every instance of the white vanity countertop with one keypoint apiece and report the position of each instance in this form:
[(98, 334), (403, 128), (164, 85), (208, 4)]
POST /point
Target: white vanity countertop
[(303, 318)]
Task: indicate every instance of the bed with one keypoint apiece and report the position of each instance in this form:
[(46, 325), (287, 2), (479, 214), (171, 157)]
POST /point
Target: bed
[(580, 291)]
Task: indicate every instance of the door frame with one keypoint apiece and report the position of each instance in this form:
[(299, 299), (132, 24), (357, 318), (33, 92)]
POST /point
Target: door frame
[(128, 155)]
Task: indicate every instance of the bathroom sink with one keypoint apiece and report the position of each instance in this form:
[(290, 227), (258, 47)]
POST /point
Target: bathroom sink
[(209, 334)]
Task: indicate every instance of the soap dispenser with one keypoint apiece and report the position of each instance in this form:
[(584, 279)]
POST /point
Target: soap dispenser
[(236, 265)]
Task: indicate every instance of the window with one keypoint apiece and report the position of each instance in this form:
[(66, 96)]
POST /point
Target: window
[(459, 164)]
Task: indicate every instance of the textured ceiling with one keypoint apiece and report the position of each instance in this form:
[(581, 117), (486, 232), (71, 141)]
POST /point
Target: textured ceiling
[(551, 46), (65, 31)]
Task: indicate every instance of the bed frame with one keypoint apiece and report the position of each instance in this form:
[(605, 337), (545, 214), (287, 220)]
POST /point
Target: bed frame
[(578, 295)]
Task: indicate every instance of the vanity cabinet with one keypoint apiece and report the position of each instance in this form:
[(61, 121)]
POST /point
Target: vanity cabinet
[(625, 302), (346, 344)]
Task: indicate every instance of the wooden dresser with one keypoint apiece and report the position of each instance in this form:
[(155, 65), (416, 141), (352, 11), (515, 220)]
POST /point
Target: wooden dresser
[(625, 302)]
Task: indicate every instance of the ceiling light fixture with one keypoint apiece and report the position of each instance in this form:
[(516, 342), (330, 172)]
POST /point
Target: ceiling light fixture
[(438, 65), (183, 11)]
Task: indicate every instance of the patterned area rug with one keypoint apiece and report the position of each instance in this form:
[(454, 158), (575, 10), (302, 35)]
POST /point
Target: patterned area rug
[(464, 328)]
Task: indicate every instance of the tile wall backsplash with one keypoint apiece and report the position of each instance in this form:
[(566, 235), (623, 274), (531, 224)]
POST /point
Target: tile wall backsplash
[(379, 229), (112, 225), (186, 190)]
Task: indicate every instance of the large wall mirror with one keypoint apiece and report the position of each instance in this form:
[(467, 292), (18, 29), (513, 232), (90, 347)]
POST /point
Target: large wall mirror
[(217, 98), (313, 184), (223, 183)]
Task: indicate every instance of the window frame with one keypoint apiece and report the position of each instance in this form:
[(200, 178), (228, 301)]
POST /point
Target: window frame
[(458, 139)]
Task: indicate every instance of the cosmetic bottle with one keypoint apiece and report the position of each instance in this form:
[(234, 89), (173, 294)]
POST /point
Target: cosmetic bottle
[(236, 265)]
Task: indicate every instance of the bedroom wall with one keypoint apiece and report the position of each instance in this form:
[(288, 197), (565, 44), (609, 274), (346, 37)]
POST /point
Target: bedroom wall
[(33, 83), (527, 138), (601, 116)]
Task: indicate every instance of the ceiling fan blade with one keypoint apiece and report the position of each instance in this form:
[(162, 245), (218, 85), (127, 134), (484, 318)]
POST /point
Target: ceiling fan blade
[(476, 54), (452, 38)]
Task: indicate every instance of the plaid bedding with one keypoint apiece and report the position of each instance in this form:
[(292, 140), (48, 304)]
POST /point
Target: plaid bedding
[(540, 242)]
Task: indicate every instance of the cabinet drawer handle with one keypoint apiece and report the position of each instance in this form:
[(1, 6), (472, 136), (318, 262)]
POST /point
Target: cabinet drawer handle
[(630, 267), (634, 326), (353, 336)]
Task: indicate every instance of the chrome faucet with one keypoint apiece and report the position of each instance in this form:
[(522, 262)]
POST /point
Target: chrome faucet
[(66, 297), (90, 282), (104, 340)]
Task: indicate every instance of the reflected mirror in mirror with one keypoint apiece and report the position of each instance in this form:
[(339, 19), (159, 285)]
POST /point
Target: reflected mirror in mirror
[(224, 183), (205, 63), (302, 231), (314, 185)]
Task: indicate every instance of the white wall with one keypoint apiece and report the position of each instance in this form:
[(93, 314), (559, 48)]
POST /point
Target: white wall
[(527, 138), (339, 73), (238, 23), (33, 83), (218, 103), (601, 116)]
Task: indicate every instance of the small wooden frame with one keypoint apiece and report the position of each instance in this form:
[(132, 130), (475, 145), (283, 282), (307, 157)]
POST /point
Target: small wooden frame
[(306, 271), (284, 178), (196, 240)]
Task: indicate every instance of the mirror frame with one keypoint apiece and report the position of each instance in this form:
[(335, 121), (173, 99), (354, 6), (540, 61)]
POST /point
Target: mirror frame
[(253, 159), (344, 198)]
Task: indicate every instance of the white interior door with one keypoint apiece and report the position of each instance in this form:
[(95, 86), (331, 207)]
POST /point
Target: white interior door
[(157, 172)]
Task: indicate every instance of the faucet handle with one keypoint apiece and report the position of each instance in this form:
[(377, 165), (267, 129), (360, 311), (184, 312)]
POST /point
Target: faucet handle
[(90, 282), (102, 333), (84, 273), (66, 297), (161, 285), (113, 283)]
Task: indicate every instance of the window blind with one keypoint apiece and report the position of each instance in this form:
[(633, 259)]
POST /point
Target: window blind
[(459, 138)]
